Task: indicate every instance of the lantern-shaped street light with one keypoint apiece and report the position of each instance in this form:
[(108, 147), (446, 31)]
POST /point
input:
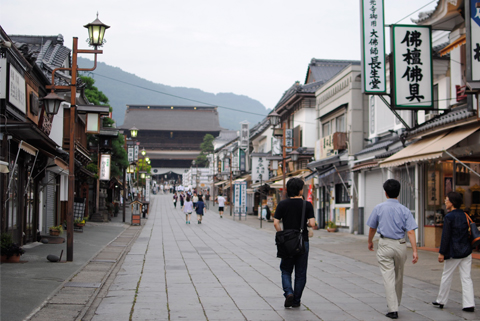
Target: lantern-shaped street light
[(144, 152), (52, 103), (147, 159), (294, 155), (274, 118), (133, 132), (96, 33)]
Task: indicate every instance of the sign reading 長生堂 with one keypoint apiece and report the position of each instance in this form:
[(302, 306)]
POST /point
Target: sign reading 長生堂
[(373, 47), (412, 62)]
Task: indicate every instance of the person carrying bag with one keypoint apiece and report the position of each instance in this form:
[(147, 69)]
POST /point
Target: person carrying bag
[(292, 242)]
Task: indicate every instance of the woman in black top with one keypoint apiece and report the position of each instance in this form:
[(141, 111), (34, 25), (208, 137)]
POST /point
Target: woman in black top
[(455, 250)]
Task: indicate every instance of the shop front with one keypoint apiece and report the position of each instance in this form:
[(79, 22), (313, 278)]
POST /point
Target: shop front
[(446, 161)]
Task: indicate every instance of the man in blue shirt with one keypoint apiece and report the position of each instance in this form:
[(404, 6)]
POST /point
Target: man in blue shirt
[(391, 220)]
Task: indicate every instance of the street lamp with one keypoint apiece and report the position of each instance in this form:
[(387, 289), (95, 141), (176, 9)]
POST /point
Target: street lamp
[(52, 103), (294, 155), (134, 132), (274, 118)]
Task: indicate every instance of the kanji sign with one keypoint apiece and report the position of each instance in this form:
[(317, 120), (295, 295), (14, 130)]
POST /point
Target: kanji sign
[(373, 47), (244, 135), (412, 62), (288, 140), (259, 166), (105, 162), (240, 197)]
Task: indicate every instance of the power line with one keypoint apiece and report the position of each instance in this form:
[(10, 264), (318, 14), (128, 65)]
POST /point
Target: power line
[(167, 94), (414, 12)]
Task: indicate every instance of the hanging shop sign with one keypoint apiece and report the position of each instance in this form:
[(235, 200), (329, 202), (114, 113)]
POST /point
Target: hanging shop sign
[(413, 71), (259, 167), (147, 189), (135, 154), (288, 140), (16, 92), (242, 161), (105, 162), (130, 153), (473, 34), (244, 135), (373, 47)]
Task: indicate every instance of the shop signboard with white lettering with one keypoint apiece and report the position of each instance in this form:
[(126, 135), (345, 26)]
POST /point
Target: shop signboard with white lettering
[(373, 47), (327, 147), (105, 162), (16, 92), (413, 71), (147, 189), (130, 154)]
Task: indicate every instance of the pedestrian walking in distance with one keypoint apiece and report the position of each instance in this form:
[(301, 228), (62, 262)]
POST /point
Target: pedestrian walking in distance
[(289, 211), (188, 209), (455, 251), (200, 209), (175, 198), (221, 204), (391, 220)]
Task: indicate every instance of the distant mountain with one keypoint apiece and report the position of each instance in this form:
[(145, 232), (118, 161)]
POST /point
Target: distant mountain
[(123, 88)]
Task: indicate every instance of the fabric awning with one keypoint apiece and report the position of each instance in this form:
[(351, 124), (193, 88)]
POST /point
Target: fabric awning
[(4, 167), (28, 148), (364, 166), (460, 41), (220, 183), (430, 147)]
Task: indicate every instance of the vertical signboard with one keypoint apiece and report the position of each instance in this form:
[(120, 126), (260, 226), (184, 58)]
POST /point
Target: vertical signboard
[(3, 78), (277, 146), (288, 140), (473, 34), (259, 167), (16, 93), (105, 167), (135, 154), (412, 62), (244, 135), (373, 47), (240, 197), (147, 189), (130, 154), (242, 161)]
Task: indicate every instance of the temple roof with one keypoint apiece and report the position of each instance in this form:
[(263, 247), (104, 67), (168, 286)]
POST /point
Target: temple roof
[(172, 118)]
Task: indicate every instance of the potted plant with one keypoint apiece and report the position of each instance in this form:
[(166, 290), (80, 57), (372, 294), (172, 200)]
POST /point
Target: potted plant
[(331, 226), (79, 222), (56, 230), (10, 252)]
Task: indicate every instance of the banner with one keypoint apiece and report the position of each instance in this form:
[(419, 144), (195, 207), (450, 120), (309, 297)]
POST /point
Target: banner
[(373, 47), (472, 21), (413, 71)]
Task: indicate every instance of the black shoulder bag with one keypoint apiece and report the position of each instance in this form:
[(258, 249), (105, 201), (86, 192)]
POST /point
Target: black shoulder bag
[(290, 242)]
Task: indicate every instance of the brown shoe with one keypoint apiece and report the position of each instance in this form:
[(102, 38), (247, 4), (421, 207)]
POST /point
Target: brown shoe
[(288, 301)]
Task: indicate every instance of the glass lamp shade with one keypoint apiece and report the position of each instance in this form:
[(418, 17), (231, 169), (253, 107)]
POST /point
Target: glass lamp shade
[(131, 169), (274, 118), (147, 159), (93, 123), (52, 103), (133, 132), (96, 32), (278, 132), (144, 152)]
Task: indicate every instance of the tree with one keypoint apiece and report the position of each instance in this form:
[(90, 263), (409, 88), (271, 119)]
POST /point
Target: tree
[(206, 148), (119, 154)]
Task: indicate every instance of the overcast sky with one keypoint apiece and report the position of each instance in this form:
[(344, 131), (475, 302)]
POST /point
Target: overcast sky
[(257, 48)]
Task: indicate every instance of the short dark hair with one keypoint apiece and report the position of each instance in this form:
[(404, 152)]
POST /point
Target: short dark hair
[(188, 198), (455, 198), (200, 198), (294, 186), (392, 188)]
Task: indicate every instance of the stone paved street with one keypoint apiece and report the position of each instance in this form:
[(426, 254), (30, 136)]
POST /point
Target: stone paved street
[(223, 270)]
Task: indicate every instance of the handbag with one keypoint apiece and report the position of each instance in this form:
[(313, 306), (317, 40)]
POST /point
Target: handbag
[(473, 231), (290, 242)]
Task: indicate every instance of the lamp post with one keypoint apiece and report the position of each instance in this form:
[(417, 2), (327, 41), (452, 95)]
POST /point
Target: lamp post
[(274, 118), (96, 32)]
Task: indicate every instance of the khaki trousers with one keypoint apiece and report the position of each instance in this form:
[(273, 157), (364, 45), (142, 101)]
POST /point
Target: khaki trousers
[(391, 256)]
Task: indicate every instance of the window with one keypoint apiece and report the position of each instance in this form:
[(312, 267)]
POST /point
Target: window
[(326, 129), (340, 124), (341, 194)]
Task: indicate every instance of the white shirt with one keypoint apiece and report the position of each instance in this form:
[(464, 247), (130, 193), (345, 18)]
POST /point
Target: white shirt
[(221, 201)]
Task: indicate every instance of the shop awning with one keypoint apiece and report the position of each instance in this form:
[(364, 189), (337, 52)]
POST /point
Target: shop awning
[(430, 147), (4, 167), (364, 166), (60, 167), (279, 183), (220, 183), (460, 41)]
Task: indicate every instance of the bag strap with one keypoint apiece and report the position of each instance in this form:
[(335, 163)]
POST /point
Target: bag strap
[(302, 222), (469, 221)]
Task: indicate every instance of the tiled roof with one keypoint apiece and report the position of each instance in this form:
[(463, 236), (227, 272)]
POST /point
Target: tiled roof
[(449, 116), (377, 146), (180, 118), (389, 153), (323, 70), (48, 52)]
